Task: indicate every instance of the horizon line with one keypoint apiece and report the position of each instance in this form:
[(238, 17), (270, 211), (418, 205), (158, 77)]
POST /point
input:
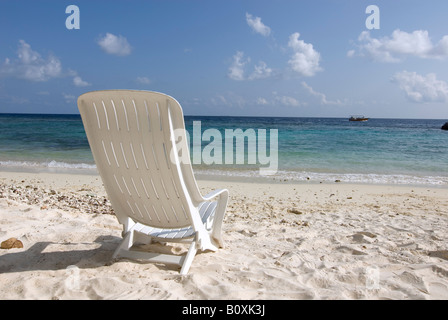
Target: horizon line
[(234, 116)]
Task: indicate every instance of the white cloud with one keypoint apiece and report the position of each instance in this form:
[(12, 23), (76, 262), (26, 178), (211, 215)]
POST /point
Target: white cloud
[(402, 44), (69, 98), (236, 70), (262, 101), (420, 88), (261, 71), (322, 97), (219, 100), (31, 66), (238, 66), (288, 101), (77, 81), (143, 80), (116, 45), (257, 25), (228, 99), (305, 59)]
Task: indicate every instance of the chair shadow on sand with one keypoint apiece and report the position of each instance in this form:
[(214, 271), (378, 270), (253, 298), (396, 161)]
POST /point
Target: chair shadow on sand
[(40, 256)]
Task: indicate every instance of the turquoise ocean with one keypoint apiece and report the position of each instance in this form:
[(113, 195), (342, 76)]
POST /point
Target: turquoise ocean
[(383, 151)]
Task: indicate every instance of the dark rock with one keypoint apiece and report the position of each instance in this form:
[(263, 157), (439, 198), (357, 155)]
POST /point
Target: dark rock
[(295, 211), (445, 126), (11, 243)]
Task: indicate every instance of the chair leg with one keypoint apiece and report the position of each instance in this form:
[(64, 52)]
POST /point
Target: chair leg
[(219, 217), (125, 244), (189, 258)]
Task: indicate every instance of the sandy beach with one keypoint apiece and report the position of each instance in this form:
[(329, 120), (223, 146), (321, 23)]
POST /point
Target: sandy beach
[(282, 241)]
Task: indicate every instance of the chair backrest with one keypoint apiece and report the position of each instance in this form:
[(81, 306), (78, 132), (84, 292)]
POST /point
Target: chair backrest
[(131, 135)]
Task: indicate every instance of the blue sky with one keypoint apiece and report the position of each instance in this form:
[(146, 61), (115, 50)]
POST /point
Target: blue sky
[(234, 57)]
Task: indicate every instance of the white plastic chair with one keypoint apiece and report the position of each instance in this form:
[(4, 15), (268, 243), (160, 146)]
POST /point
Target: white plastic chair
[(137, 138)]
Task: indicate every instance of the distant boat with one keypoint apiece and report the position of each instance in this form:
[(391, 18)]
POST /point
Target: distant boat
[(358, 118)]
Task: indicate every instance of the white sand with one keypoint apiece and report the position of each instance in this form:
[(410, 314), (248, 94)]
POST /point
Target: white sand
[(343, 242)]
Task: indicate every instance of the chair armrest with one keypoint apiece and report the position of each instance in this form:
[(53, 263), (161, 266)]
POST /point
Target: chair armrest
[(214, 193)]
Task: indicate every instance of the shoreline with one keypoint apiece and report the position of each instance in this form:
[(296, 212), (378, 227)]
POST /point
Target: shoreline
[(282, 241), (281, 177), (91, 175)]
